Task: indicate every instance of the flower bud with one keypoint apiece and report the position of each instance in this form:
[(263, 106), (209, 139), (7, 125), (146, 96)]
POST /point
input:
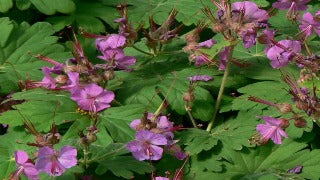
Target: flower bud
[(218, 28), (72, 68), (301, 105), (96, 78), (188, 96), (300, 123), (284, 108), (91, 137), (61, 79), (263, 39), (108, 75), (284, 123)]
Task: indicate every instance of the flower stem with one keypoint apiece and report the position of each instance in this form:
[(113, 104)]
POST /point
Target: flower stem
[(85, 156), (223, 83), (191, 119), (142, 51)]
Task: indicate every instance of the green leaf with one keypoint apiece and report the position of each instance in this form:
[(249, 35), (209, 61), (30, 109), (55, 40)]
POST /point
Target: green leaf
[(270, 159), (5, 5), (123, 166), (43, 106), (88, 15), (23, 4), (118, 123), (189, 11), (53, 6), (17, 48)]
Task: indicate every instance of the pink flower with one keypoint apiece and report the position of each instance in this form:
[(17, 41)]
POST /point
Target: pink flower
[(200, 78), (293, 6), (308, 24), (161, 178), (25, 165), (272, 129), (93, 98), (282, 53), (55, 162), (118, 58), (223, 54), (111, 41), (146, 145)]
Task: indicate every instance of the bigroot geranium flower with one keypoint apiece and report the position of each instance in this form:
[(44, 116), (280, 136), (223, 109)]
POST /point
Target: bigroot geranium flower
[(93, 98), (55, 162), (147, 145), (25, 165), (272, 129)]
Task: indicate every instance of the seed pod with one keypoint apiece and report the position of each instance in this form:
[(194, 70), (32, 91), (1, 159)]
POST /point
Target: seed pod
[(284, 108)]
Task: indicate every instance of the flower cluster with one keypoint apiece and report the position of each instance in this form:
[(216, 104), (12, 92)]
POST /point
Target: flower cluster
[(49, 160), (241, 20), (154, 135)]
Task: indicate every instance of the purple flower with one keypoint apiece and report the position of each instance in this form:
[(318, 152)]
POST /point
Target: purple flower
[(252, 13), (272, 129), (308, 23), (293, 7), (224, 57), (48, 81), (176, 151), (249, 38), (117, 57), (267, 38), (200, 59), (283, 52), (73, 82), (207, 44), (111, 41), (54, 162), (93, 98), (146, 145), (25, 165), (200, 78), (297, 5), (295, 170)]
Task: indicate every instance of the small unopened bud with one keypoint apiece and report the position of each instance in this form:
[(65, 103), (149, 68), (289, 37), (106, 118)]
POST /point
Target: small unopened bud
[(284, 123), (96, 78), (70, 68), (300, 123), (301, 105), (218, 28), (188, 96), (284, 108), (108, 75), (61, 79), (263, 39), (91, 138)]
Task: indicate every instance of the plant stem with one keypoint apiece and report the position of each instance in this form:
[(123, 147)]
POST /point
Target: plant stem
[(85, 156), (223, 83), (142, 51), (192, 119)]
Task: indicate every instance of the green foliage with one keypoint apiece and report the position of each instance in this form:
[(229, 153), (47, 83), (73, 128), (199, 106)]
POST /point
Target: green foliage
[(19, 45)]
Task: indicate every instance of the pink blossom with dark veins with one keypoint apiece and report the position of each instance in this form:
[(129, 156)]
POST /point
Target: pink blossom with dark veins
[(25, 165), (272, 129), (309, 24), (55, 162), (146, 145), (93, 98)]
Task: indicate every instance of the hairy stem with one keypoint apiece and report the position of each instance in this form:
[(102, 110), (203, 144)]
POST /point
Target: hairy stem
[(223, 83)]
